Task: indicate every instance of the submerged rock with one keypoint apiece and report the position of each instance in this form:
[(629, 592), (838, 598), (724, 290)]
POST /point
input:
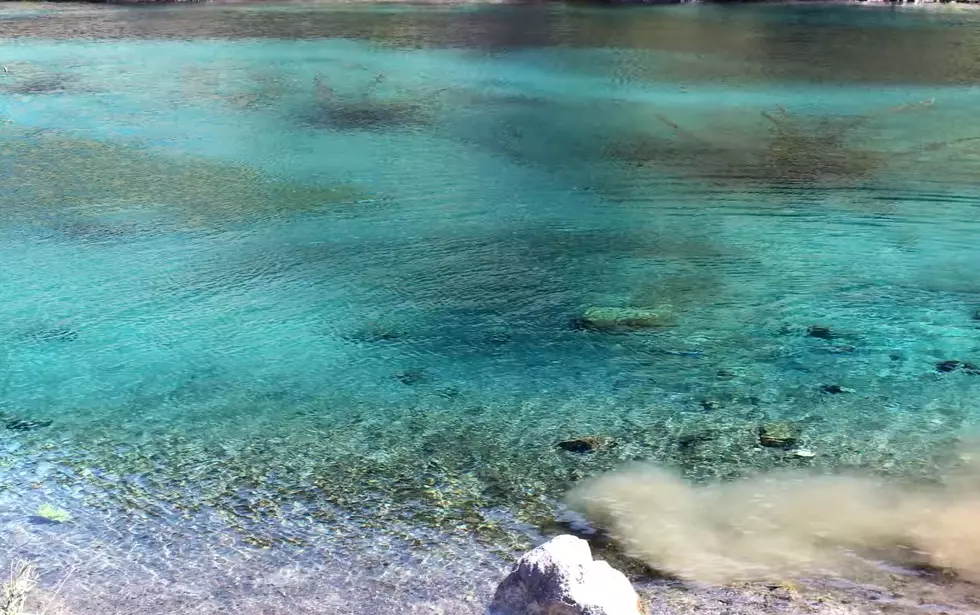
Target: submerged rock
[(779, 434), (586, 444), (821, 331), (53, 514), (953, 365), (947, 366), (561, 578), (623, 318), (836, 389), (689, 441)]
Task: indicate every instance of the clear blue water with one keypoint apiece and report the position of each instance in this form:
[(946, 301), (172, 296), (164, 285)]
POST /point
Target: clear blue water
[(287, 284)]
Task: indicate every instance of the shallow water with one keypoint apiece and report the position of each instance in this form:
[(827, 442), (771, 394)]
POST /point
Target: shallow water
[(294, 284)]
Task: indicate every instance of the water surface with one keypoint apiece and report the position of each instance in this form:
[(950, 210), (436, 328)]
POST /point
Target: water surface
[(290, 290)]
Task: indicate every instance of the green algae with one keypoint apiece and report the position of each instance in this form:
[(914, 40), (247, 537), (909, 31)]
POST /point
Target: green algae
[(53, 514), (81, 179)]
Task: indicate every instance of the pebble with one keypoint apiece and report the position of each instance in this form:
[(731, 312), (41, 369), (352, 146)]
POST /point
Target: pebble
[(804, 453)]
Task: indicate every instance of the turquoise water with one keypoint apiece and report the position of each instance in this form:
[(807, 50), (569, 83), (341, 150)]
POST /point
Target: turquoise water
[(293, 284)]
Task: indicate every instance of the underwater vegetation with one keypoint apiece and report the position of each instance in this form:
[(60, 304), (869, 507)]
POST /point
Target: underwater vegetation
[(368, 107), (783, 149), (66, 177), (242, 88), (26, 79), (15, 590)]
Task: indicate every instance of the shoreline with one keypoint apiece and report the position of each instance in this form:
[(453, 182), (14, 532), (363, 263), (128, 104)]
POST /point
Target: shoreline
[(461, 586)]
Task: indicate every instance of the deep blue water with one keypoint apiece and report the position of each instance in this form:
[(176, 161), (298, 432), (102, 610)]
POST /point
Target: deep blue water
[(287, 283)]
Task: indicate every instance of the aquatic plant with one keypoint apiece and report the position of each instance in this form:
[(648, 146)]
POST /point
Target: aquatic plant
[(367, 109), (17, 588), (828, 150)]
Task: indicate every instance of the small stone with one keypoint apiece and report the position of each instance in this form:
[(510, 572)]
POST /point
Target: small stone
[(821, 331), (561, 578), (947, 366), (604, 318), (803, 453), (952, 365), (836, 389), (779, 434), (586, 444)]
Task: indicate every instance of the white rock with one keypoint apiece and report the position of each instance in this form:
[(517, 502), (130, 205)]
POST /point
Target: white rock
[(561, 578)]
